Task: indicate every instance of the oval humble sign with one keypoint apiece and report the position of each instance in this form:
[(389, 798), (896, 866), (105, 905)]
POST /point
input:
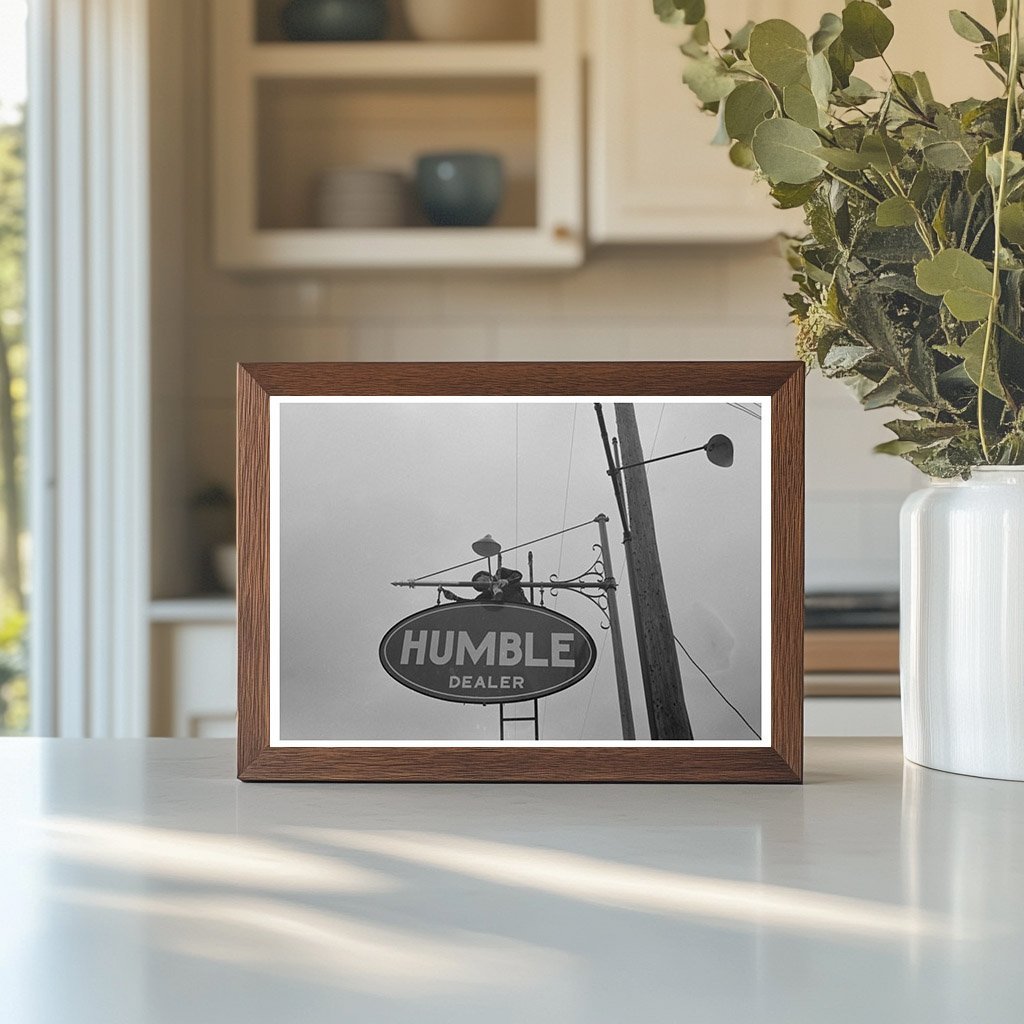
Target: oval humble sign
[(483, 653)]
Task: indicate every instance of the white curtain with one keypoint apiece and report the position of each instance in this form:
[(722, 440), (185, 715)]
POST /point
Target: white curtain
[(88, 320)]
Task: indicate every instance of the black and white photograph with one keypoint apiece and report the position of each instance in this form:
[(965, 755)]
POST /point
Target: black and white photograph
[(552, 571)]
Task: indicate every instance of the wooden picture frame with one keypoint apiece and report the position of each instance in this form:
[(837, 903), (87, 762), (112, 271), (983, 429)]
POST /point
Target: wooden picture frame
[(778, 760)]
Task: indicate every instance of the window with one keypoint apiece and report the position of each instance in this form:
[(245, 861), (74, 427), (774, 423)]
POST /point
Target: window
[(14, 547)]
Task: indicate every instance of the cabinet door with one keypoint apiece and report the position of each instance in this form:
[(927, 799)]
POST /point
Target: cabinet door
[(654, 177), (286, 113)]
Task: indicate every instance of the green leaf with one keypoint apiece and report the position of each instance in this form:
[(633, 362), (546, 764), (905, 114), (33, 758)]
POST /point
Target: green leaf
[(779, 51), (1012, 225), (939, 220), (896, 212), (924, 87), (801, 106), (695, 11), (923, 431), (896, 447), (820, 76), (841, 60), (969, 28), (976, 174), (746, 107), (789, 197), (947, 156), (999, 6), (708, 80), (883, 153), (963, 281), (741, 155), (972, 352), (785, 152), (739, 41), (922, 185), (844, 159), (694, 49), (1014, 169), (830, 29), (866, 29), (858, 91), (676, 12), (885, 394), (906, 90)]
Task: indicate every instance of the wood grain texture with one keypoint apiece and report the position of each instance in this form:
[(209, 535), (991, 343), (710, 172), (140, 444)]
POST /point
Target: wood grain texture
[(782, 762), (252, 487), (852, 650)]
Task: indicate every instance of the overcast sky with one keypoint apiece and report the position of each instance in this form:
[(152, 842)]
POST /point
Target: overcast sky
[(372, 493)]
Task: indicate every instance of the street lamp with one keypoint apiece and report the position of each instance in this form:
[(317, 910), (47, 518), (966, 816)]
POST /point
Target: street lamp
[(719, 450), (488, 547)]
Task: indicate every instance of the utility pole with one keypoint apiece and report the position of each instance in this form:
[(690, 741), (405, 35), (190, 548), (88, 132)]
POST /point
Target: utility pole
[(627, 547), (619, 654), (666, 705)]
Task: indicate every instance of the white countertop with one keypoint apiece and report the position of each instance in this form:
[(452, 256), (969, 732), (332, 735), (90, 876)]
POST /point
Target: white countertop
[(143, 885)]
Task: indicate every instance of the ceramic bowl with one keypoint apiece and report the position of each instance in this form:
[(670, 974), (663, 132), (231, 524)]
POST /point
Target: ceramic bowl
[(460, 189), (470, 20), (334, 20), (358, 197)]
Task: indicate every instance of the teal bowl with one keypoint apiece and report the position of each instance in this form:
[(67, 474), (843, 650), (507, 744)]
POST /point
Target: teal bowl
[(334, 21), (460, 190)]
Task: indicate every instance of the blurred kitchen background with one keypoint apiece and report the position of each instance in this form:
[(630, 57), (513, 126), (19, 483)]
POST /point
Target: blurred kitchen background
[(292, 219)]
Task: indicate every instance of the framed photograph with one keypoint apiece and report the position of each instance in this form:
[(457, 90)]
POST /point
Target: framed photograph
[(520, 572)]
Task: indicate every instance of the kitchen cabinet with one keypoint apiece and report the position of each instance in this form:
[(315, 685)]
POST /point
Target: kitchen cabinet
[(286, 113), (653, 175), (193, 667)]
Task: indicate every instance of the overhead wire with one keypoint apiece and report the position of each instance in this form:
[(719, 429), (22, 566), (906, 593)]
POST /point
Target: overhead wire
[(682, 647), (517, 547), (517, 480), (743, 408), (715, 688)]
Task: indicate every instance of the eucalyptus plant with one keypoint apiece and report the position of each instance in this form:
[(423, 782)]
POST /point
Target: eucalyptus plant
[(910, 278)]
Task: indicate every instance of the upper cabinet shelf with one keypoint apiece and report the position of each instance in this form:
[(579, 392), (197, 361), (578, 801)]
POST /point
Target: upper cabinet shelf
[(394, 60), (294, 122)]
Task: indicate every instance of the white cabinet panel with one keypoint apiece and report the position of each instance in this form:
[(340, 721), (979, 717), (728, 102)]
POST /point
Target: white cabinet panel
[(194, 679), (653, 175)]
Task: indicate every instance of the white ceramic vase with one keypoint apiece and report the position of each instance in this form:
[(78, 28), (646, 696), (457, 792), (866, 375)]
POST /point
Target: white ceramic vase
[(962, 624)]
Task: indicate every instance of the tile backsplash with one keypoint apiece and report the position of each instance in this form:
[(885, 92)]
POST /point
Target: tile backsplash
[(699, 303)]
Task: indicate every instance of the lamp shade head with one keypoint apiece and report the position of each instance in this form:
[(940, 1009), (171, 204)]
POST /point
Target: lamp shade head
[(486, 546), (720, 451)]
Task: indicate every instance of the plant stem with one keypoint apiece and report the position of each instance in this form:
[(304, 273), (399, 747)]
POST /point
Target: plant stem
[(849, 184), (969, 218), (771, 89), (981, 231), (1000, 199), (923, 228)]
